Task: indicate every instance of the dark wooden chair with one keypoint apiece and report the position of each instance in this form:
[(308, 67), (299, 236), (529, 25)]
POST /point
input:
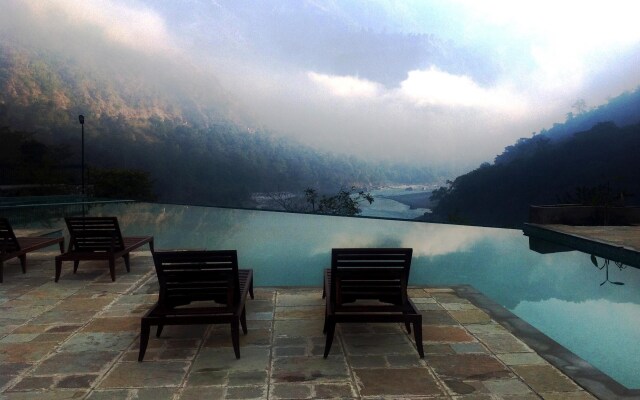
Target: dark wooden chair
[(208, 278), (369, 285), (98, 238), (12, 246)]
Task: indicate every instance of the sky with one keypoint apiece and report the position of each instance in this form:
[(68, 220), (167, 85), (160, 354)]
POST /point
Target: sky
[(438, 83)]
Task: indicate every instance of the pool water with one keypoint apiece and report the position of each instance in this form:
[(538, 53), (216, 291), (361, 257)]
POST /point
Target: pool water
[(560, 294)]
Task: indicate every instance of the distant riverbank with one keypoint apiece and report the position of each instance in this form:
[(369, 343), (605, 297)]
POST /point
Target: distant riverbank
[(413, 200)]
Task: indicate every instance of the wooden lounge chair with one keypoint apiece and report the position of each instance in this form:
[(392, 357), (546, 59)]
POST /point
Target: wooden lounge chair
[(211, 279), (369, 285), (12, 246), (98, 238)]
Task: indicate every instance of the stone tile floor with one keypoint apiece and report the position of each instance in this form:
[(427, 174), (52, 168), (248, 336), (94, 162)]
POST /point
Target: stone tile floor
[(78, 338)]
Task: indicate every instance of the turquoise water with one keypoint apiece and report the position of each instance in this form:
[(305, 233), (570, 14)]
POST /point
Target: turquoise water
[(560, 294)]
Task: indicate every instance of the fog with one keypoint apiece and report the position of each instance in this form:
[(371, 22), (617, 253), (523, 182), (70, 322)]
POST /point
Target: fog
[(446, 84)]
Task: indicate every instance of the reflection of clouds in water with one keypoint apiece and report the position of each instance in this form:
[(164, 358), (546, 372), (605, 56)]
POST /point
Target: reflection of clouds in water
[(435, 240), (598, 330)]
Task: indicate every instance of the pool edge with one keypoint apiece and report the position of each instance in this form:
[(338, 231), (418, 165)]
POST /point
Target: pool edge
[(580, 371)]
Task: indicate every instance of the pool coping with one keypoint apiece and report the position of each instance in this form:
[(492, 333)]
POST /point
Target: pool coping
[(580, 371)]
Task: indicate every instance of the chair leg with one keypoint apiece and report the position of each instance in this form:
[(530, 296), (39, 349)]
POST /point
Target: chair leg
[(145, 327), (75, 266), (251, 289), (243, 320), (159, 330), (112, 269), (23, 263), (235, 336), (417, 331), (61, 246), (127, 262), (330, 327), (407, 325), (58, 269)]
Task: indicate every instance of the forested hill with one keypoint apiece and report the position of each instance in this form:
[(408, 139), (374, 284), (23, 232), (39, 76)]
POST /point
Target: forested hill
[(599, 165), (197, 151)]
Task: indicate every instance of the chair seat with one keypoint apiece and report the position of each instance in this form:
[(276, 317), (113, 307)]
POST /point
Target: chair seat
[(18, 247), (98, 238)]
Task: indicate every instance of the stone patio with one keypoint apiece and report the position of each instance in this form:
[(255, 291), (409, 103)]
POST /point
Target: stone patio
[(78, 338)]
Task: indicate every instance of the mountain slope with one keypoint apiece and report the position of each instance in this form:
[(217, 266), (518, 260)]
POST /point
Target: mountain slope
[(196, 148), (598, 165)]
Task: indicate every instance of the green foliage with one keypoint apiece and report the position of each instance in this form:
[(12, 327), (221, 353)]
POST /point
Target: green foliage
[(27, 161), (345, 202), (121, 184)]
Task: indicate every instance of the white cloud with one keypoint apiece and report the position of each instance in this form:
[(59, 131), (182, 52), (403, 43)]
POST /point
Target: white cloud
[(346, 86), (436, 87), (138, 28)]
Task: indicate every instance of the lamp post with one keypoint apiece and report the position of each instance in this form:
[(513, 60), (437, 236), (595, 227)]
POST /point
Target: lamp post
[(81, 119)]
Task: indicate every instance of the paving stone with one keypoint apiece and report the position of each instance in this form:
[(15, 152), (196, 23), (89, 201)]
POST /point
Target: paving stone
[(429, 307), (298, 328), (57, 394), (445, 334), (404, 361), (217, 359), (310, 369), (507, 387), (504, 343), (291, 391), (208, 377), (459, 306), (461, 387), (289, 351), (522, 359), (247, 378), (467, 366), (544, 378), (34, 383), (368, 361), (145, 374), (396, 382), (106, 341), (24, 352), (246, 392), (437, 318), (199, 393), (334, 390), (471, 316), (19, 338), (377, 344), (448, 298), (301, 312), (113, 324), (253, 306), (76, 362), (567, 396), (463, 348), (307, 298), (109, 394), (421, 300), (77, 381), (430, 348), (13, 368)]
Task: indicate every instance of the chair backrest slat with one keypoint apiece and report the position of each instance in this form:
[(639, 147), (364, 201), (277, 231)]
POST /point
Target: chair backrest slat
[(93, 234), (8, 241), (370, 273), (186, 276)]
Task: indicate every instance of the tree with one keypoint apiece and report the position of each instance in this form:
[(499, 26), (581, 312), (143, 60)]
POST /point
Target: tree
[(121, 183)]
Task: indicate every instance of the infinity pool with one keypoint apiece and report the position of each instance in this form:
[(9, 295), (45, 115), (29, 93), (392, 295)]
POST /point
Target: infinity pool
[(560, 294)]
